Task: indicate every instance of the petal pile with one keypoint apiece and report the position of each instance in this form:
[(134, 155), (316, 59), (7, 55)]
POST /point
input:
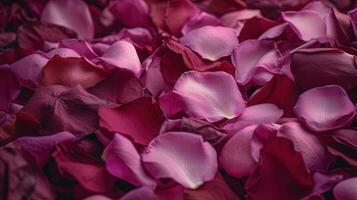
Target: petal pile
[(178, 99)]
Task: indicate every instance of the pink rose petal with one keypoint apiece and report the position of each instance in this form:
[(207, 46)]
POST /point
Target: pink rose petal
[(72, 14), (211, 42), (123, 161), (346, 190), (325, 108), (200, 20), (181, 156), (203, 92)]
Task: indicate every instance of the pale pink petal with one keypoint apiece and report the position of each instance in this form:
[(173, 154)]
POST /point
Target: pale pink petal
[(210, 95), (28, 70), (307, 24), (123, 161), (181, 156), (97, 197), (122, 54), (325, 108), (346, 190), (211, 42), (257, 114), (252, 56), (72, 14), (200, 20), (235, 157), (41, 147), (313, 152)]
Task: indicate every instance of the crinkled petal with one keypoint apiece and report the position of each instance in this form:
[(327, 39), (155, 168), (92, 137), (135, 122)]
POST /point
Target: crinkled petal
[(72, 71), (235, 157), (181, 156), (211, 42), (72, 14), (325, 108), (140, 119), (123, 161), (210, 95)]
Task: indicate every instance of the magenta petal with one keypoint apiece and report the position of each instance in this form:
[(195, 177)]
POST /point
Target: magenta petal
[(122, 54), (210, 95), (346, 190), (211, 42), (97, 197), (181, 156), (142, 193), (200, 20), (323, 183), (353, 15), (28, 70), (123, 161), (80, 46), (9, 87), (72, 14), (307, 24), (131, 13), (313, 152), (41, 147), (252, 55), (325, 108), (63, 52), (235, 157)]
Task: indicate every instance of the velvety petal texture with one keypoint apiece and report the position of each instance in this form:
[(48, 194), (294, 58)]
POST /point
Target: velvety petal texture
[(181, 156), (201, 92), (325, 108), (211, 42), (71, 14), (123, 161)]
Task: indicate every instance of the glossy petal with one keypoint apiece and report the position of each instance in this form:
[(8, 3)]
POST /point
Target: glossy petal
[(181, 156), (252, 56), (235, 157), (330, 66), (325, 108), (203, 92), (71, 72), (346, 190), (123, 161), (140, 119), (122, 54), (72, 14), (211, 42)]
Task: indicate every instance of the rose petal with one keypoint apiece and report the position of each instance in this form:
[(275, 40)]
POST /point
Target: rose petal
[(122, 54), (28, 70), (313, 152), (9, 87), (123, 161), (346, 190), (181, 156), (325, 108), (329, 66), (203, 92), (72, 14), (200, 20), (281, 173), (235, 157), (211, 42), (140, 119), (60, 108), (80, 46), (253, 55), (63, 52), (41, 147), (72, 71)]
